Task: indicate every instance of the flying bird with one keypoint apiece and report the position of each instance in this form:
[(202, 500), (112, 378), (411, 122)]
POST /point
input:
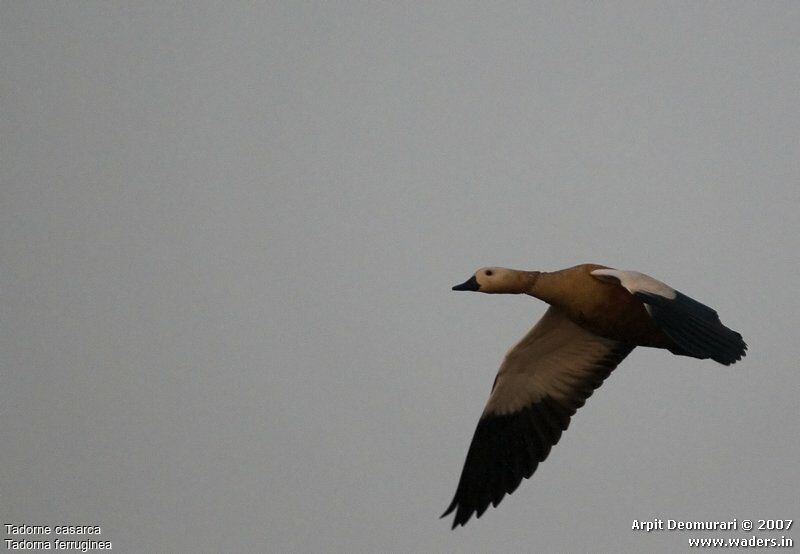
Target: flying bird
[(597, 316)]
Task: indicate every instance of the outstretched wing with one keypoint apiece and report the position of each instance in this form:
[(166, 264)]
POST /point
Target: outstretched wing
[(693, 326), (543, 380)]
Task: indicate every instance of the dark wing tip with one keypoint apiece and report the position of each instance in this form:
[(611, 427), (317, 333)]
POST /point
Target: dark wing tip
[(695, 328), (735, 352), (461, 518), (505, 450), (449, 509)]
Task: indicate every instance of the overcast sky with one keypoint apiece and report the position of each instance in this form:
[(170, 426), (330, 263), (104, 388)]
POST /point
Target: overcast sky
[(228, 235)]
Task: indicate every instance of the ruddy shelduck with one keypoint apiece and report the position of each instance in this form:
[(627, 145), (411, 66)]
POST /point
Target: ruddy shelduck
[(597, 315)]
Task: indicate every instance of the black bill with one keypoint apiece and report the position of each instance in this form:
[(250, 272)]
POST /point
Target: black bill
[(469, 284)]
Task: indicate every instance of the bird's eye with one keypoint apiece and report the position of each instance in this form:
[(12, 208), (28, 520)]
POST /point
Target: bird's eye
[(489, 272)]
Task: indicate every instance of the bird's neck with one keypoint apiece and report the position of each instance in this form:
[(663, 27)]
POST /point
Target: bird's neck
[(528, 280), (545, 286)]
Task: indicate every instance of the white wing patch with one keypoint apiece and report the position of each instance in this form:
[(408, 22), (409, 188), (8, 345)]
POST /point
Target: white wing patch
[(635, 282), (556, 359)]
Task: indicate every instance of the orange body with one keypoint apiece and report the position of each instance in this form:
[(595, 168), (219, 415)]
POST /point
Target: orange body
[(605, 309)]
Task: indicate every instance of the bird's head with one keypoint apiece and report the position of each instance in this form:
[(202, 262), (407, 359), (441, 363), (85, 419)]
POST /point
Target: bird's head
[(498, 280)]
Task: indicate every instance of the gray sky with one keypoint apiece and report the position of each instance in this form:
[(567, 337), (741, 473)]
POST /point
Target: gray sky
[(228, 235)]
